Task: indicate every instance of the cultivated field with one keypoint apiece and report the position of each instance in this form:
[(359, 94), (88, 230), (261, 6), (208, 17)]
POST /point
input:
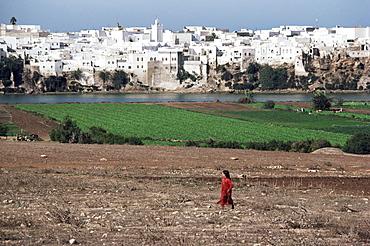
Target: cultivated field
[(59, 194), (223, 121)]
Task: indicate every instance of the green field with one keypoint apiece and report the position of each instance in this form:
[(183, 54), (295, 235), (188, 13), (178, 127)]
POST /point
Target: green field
[(160, 122)]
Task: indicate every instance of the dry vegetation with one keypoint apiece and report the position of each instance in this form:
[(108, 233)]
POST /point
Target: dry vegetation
[(143, 195)]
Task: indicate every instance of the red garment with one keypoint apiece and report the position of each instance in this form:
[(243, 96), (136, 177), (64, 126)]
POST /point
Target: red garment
[(226, 186)]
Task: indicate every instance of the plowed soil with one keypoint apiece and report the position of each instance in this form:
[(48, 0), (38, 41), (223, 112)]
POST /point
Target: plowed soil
[(53, 193)]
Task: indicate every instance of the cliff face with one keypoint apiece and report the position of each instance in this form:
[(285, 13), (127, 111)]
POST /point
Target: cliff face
[(330, 72), (339, 73)]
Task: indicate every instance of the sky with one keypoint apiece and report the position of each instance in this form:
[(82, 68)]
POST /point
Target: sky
[(77, 15)]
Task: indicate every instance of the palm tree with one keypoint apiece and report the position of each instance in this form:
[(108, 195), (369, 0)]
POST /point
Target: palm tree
[(13, 21), (77, 74)]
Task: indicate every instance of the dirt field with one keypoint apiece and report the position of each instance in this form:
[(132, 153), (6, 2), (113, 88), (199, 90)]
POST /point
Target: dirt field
[(60, 194)]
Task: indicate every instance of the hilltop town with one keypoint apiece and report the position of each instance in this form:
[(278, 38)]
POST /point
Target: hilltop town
[(197, 58)]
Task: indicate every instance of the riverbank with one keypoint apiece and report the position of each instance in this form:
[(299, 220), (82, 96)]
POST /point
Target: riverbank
[(184, 91)]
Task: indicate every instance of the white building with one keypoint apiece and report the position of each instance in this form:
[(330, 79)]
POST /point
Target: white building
[(153, 56)]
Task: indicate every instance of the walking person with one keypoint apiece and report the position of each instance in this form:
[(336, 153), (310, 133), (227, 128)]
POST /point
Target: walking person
[(226, 187)]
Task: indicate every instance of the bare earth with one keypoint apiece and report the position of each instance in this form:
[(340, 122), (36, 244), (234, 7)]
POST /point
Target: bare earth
[(53, 193)]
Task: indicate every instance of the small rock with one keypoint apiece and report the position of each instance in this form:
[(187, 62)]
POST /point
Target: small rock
[(234, 158), (72, 241), (312, 171), (103, 159), (43, 156)]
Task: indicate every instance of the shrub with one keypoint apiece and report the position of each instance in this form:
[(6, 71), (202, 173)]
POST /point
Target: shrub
[(3, 129), (358, 144), (7, 83), (192, 143), (229, 145), (226, 76), (134, 141), (301, 146), (278, 145), (319, 143), (256, 145), (66, 132), (269, 104)]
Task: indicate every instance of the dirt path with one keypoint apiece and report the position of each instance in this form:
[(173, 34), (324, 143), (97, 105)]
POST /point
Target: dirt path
[(27, 122)]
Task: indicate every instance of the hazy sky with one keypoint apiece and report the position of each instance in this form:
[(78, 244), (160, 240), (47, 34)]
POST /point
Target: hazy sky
[(76, 15)]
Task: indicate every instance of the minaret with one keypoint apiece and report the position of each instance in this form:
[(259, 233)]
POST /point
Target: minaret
[(157, 32)]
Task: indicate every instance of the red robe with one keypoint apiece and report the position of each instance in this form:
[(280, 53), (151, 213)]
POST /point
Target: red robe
[(226, 187)]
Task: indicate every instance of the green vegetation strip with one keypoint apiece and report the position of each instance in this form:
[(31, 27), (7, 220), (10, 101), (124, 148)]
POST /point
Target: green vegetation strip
[(160, 122)]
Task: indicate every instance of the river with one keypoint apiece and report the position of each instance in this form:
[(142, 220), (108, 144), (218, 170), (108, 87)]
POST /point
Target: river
[(169, 97)]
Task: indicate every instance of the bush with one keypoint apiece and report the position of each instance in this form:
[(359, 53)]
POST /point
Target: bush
[(66, 132), (358, 144), (256, 145), (301, 146), (3, 129), (229, 145), (226, 76), (278, 145), (269, 104), (319, 143), (192, 143), (7, 83)]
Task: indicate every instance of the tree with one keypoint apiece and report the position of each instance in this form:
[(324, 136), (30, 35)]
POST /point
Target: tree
[(3, 129), (320, 101), (272, 79), (13, 20), (212, 37), (253, 68), (7, 83), (248, 97), (182, 75), (55, 83), (105, 76), (5, 71), (226, 76), (66, 132), (14, 65), (266, 78), (119, 79), (358, 144), (77, 74)]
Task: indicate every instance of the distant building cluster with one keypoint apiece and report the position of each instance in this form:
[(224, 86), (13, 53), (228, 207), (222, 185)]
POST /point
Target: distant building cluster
[(154, 56)]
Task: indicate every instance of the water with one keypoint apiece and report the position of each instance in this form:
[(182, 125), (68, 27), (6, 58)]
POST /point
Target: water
[(169, 97)]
